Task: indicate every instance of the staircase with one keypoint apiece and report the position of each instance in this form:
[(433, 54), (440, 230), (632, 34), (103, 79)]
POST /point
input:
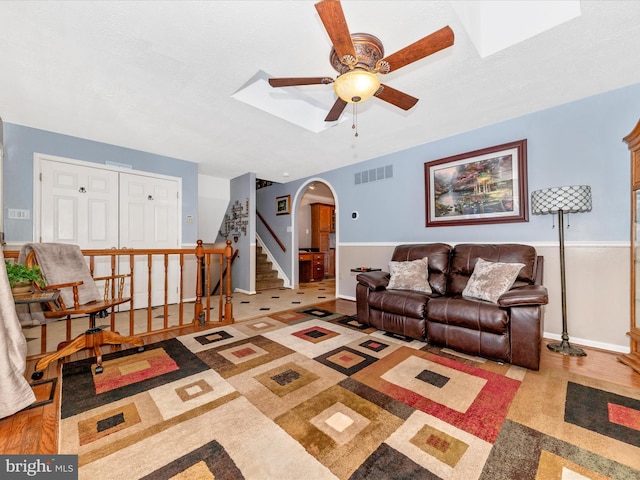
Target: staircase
[(266, 276)]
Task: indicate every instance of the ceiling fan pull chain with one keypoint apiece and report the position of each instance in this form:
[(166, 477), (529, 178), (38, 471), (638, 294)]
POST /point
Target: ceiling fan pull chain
[(355, 118)]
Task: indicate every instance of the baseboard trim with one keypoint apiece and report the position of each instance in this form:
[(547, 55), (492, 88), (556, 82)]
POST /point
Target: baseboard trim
[(246, 292), (346, 297), (610, 347)]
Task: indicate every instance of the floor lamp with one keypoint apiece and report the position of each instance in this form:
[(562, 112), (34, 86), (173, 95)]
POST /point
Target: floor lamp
[(561, 200)]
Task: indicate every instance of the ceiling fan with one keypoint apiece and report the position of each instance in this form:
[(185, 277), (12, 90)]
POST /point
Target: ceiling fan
[(359, 57)]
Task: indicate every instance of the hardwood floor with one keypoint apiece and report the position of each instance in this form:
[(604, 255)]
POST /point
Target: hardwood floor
[(35, 431)]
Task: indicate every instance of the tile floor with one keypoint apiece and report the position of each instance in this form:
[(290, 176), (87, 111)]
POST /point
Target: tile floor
[(278, 299)]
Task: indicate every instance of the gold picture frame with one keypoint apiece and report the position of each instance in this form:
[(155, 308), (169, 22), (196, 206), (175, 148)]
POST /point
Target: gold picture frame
[(481, 187), (283, 205)]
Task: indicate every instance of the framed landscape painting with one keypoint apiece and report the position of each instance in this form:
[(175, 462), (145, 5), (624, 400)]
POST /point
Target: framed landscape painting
[(480, 187), (283, 205)]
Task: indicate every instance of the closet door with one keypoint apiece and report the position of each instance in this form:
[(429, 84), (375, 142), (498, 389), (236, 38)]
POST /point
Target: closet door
[(98, 208), (78, 205), (148, 219)]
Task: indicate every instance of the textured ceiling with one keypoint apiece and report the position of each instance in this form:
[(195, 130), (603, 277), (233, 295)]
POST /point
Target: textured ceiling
[(159, 76)]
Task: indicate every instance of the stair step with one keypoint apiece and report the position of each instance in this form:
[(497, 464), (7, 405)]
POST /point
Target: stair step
[(268, 284), (264, 267), (266, 276)]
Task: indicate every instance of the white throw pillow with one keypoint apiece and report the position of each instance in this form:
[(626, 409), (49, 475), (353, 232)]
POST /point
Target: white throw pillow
[(410, 275), (490, 280)]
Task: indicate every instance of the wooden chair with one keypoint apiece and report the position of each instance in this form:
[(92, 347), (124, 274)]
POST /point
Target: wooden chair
[(93, 337)]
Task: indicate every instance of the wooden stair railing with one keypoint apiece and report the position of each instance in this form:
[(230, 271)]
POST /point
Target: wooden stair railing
[(116, 258), (222, 277), (273, 234), (204, 261)]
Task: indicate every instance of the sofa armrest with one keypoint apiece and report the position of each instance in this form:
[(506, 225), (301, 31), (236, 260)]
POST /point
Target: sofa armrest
[(374, 280), (527, 295)]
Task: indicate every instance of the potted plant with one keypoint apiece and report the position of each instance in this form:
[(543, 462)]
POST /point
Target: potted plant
[(21, 277)]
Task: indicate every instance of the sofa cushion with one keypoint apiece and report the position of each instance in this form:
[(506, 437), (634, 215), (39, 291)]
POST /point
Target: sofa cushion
[(465, 256), (410, 275), (401, 302), (473, 342), (470, 314), (490, 280), (438, 255), (399, 324)]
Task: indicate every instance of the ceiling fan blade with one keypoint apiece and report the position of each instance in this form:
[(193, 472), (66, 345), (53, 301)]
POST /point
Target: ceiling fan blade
[(336, 110), (396, 97), (292, 82), (433, 43), (335, 24)]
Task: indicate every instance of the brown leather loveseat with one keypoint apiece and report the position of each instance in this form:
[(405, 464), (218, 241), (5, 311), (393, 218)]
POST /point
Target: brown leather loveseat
[(506, 328)]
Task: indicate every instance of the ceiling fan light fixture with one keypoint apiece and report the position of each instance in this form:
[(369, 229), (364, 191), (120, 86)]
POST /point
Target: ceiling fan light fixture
[(356, 86)]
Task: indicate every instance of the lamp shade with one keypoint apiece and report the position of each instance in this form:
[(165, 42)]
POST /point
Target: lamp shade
[(569, 199), (356, 86)]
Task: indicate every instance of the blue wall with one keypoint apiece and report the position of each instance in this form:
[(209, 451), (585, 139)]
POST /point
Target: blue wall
[(243, 189), (576, 143), (21, 143)]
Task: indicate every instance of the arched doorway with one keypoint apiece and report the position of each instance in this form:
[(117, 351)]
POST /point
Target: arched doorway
[(316, 230)]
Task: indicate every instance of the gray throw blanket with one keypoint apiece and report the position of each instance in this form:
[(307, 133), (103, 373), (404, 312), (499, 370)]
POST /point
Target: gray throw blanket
[(15, 392), (60, 263)]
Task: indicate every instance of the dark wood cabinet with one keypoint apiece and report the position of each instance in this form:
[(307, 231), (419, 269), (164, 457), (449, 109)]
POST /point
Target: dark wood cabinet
[(311, 266), (323, 224), (321, 221), (318, 266), (330, 263)]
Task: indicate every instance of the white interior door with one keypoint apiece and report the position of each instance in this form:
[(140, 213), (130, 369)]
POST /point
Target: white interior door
[(148, 219), (99, 208), (78, 205)]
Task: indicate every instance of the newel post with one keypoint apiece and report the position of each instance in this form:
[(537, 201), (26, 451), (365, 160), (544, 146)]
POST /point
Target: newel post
[(228, 306), (197, 308)]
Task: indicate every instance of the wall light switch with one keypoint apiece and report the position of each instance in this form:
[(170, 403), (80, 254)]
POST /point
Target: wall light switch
[(19, 214), (189, 218)]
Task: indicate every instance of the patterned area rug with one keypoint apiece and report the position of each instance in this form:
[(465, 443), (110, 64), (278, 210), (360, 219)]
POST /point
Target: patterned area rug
[(314, 395)]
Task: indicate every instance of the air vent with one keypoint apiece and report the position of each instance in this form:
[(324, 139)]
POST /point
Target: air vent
[(373, 175)]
